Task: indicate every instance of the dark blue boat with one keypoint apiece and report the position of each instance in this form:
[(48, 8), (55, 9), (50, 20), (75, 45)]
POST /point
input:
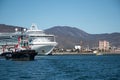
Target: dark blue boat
[(20, 55)]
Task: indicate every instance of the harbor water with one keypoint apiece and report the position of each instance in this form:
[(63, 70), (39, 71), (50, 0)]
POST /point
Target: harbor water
[(62, 67)]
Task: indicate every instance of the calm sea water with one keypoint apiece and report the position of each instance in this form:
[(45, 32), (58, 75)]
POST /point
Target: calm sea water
[(62, 67)]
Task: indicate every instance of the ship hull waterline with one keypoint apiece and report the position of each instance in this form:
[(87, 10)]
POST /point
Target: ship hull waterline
[(43, 49)]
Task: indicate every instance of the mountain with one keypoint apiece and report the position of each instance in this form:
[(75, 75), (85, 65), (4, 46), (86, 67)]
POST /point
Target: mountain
[(9, 28), (68, 37)]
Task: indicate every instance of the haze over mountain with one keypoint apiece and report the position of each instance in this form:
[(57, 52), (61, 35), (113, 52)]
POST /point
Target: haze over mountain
[(68, 37)]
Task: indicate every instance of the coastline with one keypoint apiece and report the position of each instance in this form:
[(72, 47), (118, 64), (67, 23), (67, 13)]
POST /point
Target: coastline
[(84, 53)]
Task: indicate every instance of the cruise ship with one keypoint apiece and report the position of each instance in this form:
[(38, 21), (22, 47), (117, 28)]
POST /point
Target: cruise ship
[(32, 38), (39, 41)]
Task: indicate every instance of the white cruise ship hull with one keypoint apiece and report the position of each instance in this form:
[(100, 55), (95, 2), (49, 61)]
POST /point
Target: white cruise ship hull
[(44, 48)]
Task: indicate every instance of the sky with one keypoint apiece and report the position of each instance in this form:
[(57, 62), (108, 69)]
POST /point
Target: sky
[(91, 16)]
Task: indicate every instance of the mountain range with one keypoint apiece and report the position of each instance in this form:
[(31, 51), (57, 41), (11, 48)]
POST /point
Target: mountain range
[(68, 37)]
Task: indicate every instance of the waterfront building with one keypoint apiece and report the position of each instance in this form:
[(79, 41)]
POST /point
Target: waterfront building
[(104, 45), (78, 47)]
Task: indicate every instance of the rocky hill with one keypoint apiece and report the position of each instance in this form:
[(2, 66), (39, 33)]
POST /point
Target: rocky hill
[(68, 37)]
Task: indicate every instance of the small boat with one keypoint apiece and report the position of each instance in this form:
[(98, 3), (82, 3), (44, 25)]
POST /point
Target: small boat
[(97, 52), (22, 55)]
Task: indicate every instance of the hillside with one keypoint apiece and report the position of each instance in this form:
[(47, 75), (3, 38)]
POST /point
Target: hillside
[(9, 28), (68, 37), (113, 38)]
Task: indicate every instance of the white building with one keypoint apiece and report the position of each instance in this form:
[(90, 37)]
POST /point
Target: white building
[(78, 47)]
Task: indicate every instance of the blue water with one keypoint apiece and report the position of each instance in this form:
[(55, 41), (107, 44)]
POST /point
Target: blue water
[(62, 67)]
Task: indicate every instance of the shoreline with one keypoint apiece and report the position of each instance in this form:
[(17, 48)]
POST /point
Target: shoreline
[(75, 53)]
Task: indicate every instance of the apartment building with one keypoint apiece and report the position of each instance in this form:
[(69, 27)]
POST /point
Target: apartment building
[(104, 45)]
